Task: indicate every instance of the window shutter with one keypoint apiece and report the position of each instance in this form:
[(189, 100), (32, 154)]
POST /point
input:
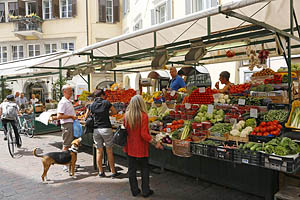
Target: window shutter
[(116, 10), (188, 7), (21, 7), (153, 17), (102, 10), (39, 8), (55, 8), (169, 9), (74, 8)]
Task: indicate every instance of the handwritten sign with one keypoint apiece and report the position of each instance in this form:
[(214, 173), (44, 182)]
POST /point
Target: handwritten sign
[(253, 113), (210, 109), (202, 90), (242, 102), (187, 105)]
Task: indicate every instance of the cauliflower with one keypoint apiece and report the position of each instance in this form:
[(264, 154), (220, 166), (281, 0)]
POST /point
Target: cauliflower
[(246, 131), (216, 100), (227, 101), (222, 101), (221, 96), (234, 132), (242, 123), (226, 97)]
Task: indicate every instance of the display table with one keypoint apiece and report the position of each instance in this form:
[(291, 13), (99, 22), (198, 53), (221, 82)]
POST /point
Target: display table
[(250, 179)]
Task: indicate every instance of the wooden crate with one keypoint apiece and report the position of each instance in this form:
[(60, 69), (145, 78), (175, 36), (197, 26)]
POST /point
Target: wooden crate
[(279, 99)]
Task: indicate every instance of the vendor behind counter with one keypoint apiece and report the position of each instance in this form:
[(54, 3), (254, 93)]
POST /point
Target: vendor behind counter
[(177, 82), (224, 79)]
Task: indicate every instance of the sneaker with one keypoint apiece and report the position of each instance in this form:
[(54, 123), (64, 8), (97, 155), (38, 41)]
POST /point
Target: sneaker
[(102, 174), (151, 192), (115, 175), (5, 137), (137, 193), (19, 145)]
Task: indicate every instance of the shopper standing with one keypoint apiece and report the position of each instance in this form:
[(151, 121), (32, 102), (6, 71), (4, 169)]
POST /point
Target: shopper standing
[(66, 114), (137, 147), (22, 100), (17, 98), (103, 134)]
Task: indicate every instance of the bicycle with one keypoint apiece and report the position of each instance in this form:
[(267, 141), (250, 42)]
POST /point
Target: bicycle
[(26, 125), (11, 140)]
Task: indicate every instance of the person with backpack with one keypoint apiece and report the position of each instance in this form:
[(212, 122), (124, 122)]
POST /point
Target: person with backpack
[(103, 134), (9, 113)]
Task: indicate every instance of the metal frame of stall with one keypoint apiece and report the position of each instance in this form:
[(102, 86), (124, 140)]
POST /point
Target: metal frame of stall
[(260, 181)]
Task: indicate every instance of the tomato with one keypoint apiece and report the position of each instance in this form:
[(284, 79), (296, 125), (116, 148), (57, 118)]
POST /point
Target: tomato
[(253, 133), (259, 134), (174, 122), (256, 129), (279, 126), (263, 124), (266, 133), (276, 133), (262, 129), (180, 121), (269, 123), (275, 121), (165, 129)]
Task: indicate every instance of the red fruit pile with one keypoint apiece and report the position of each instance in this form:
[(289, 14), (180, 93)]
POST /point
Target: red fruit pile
[(120, 95), (201, 98), (271, 128), (239, 89)]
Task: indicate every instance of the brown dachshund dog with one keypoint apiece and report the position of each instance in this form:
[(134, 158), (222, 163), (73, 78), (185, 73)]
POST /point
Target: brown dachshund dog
[(63, 158)]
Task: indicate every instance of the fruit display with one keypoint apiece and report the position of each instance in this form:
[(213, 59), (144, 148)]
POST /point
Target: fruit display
[(239, 89), (182, 90), (264, 72), (201, 97), (271, 128), (84, 95), (148, 98), (277, 79), (294, 67), (120, 95)]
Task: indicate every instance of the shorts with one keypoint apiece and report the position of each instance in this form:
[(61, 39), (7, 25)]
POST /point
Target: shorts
[(103, 135), (67, 134)]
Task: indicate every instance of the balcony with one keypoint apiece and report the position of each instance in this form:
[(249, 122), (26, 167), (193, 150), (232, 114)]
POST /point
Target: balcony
[(27, 27)]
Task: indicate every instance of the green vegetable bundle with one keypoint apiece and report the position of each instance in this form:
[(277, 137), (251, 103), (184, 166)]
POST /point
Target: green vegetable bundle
[(295, 122), (279, 115), (251, 122), (221, 128), (282, 146)]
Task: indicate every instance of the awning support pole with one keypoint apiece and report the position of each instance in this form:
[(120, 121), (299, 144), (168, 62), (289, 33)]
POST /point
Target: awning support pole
[(115, 76), (2, 88), (262, 24), (291, 16), (289, 69), (208, 26), (89, 76), (296, 21), (60, 78), (83, 78)]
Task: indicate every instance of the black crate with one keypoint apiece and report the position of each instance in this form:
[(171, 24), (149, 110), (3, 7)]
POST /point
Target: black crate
[(248, 157), (279, 163), (223, 153), (203, 150), (260, 139)]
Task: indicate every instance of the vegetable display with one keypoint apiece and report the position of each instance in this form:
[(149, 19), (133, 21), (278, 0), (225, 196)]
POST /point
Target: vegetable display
[(295, 122), (221, 98), (264, 72), (279, 115), (197, 97), (186, 131), (271, 128), (221, 128), (282, 146), (252, 146), (239, 129), (216, 116), (239, 89)]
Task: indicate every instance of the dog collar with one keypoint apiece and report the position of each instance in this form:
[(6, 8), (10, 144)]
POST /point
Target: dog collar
[(73, 150)]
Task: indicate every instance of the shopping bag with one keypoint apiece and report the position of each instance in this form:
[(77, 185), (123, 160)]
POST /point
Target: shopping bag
[(120, 136), (77, 129)]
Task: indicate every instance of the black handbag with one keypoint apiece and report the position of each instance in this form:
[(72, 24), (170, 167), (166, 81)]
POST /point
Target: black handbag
[(120, 136), (89, 125)]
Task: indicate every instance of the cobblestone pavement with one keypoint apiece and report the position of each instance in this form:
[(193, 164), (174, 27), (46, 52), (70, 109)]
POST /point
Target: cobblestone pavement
[(20, 178)]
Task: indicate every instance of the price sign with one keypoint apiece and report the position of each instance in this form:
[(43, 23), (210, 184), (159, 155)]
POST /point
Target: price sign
[(242, 102), (187, 105), (210, 109), (168, 130), (233, 121), (173, 93), (126, 88), (253, 113), (202, 90), (216, 96)]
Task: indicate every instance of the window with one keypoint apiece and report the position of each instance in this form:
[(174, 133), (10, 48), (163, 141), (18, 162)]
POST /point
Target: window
[(34, 50), (50, 48), (198, 5), (161, 13), (109, 11), (18, 52), (138, 25), (2, 12), (66, 8), (3, 54), (13, 8), (30, 7), (68, 46), (47, 9)]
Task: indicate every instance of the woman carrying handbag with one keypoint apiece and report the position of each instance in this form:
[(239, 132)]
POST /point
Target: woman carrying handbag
[(137, 147)]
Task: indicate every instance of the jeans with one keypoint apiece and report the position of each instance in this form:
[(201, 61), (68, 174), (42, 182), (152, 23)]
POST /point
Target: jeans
[(14, 126), (133, 164)]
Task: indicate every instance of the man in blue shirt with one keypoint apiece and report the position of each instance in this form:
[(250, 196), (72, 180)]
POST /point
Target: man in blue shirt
[(177, 82)]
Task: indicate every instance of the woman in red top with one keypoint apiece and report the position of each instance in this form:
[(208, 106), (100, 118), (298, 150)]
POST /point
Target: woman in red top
[(137, 147)]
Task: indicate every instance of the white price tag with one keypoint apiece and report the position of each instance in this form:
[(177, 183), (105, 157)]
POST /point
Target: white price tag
[(253, 113), (126, 88), (216, 96), (210, 109), (242, 102), (187, 106), (173, 93), (202, 90), (168, 130)]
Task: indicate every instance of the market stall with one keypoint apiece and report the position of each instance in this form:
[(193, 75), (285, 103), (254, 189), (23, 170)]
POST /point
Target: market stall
[(236, 139)]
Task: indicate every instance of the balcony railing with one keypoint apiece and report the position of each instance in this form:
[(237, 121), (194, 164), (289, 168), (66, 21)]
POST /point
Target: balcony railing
[(25, 23)]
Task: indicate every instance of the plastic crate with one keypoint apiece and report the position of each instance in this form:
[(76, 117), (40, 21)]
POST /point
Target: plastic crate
[(181, 148), (248, 157), (223, 153), (287, 164), (203, 150), (260, 139)]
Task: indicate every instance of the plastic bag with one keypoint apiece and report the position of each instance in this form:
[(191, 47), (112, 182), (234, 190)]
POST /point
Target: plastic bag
[(77, 129)]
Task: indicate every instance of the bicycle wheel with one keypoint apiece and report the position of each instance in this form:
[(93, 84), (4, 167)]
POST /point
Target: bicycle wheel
[(29, 131), (11, 140)]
